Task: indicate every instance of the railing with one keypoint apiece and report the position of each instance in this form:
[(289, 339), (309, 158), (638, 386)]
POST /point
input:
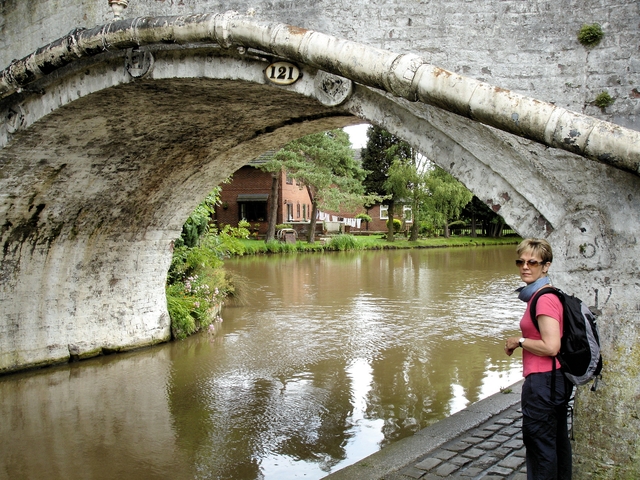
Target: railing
[(465, 230)]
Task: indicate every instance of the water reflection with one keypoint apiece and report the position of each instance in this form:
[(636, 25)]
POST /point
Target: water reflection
[(100, 419), (335, 356)]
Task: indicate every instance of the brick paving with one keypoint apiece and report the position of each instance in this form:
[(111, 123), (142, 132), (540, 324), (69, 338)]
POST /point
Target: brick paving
[(490, 451), (483, 441)]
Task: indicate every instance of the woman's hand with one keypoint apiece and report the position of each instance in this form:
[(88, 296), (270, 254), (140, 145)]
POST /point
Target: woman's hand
[(548, 346), (510, 345)]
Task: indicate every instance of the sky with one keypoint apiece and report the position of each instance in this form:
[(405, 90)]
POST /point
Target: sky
[(357, 135)]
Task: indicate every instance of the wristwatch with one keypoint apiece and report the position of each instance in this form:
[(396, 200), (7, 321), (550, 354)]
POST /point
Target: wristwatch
[(521, 341)]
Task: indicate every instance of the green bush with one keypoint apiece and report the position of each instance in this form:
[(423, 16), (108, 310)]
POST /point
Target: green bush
[(397, 225), (196, 287), (197, 282), (198, 222), (183, 323), (590, 35), (289, 247), (251, 249), (193, 303), (427, 228), (343, 242), (189, 261), (273, 246)]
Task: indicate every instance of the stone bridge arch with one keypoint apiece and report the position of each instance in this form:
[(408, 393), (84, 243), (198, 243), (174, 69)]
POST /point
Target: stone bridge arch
[(103, 159)]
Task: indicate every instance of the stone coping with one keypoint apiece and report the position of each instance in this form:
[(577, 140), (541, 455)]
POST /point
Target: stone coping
[(410, 449)]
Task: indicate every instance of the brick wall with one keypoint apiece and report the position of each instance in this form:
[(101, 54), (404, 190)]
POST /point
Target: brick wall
[(297, 198), (251, 180), (246, 180)]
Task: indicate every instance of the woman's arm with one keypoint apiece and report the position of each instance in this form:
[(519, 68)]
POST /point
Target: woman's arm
[(549, 346)]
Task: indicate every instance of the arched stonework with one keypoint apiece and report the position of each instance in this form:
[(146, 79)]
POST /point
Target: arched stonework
[(104, 154)]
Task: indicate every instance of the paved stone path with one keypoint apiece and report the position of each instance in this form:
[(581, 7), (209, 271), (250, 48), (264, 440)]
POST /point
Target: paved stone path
[(483, 441), (491, 451)]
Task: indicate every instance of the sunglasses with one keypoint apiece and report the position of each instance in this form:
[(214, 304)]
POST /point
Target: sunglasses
[(531, 263)]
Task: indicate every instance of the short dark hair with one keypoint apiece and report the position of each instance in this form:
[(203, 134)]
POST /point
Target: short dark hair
[(538, 246)]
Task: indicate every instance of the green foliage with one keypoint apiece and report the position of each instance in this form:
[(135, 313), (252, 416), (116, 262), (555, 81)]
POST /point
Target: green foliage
[(344, 242), (274, 246), (324, 162), (397, 225), (196, 281), (183, 323), (282, 226), (364, 217), (481, 217), (458, 223), (198, 222), (190, 261), (251, 249), (426, 228), (590, 35), (397, 171), (375, 242), (603, 100), (192, 302), (226, 242), (447, 197), (381, 150)]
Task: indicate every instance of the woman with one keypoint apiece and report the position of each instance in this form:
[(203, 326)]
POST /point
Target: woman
[(544, 415)]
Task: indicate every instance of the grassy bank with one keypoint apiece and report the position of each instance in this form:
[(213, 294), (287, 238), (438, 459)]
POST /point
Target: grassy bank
[(372, 242)]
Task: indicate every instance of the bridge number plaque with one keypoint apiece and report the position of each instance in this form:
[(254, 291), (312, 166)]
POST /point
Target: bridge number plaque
[(282, 73)]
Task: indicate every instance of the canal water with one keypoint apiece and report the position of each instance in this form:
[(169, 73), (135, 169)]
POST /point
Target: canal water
[(332, 357)]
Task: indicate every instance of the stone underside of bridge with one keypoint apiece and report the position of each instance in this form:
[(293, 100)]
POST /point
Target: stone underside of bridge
[(99, 170), (109, 180)]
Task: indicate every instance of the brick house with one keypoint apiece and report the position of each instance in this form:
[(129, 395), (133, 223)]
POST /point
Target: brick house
[(380, 214), (247, 197)]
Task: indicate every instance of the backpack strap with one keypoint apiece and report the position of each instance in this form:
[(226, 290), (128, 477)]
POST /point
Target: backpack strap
[(534, 302), (532, 311)]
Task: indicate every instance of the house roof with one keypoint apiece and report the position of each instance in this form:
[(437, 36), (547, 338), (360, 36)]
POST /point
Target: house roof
[(253, 197), (262, 159)]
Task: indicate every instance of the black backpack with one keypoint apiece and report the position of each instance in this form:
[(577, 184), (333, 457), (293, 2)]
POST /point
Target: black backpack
[(579, 354)]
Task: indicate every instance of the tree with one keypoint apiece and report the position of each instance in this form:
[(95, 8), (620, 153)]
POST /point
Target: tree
[(324, 163), (447, 197), (407, 179), (272, 214), (474, 211), (275, 169), (478, 212), (381, 151)]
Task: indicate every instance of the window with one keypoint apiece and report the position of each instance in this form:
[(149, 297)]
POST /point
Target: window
[(407, 213), (252, 211), (304, 211), (384, 212), (298, 210), (289, 180), (289, 212), (252, 207)]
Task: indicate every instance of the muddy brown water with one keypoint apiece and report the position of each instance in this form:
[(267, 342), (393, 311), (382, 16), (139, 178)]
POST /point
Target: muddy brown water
[(333, 357)]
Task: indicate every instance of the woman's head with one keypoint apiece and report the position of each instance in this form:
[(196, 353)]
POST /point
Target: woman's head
[(534, 259), (538, 247)]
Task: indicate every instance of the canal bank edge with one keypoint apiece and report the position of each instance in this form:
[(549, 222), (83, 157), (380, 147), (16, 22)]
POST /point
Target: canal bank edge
[(408, 450)]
